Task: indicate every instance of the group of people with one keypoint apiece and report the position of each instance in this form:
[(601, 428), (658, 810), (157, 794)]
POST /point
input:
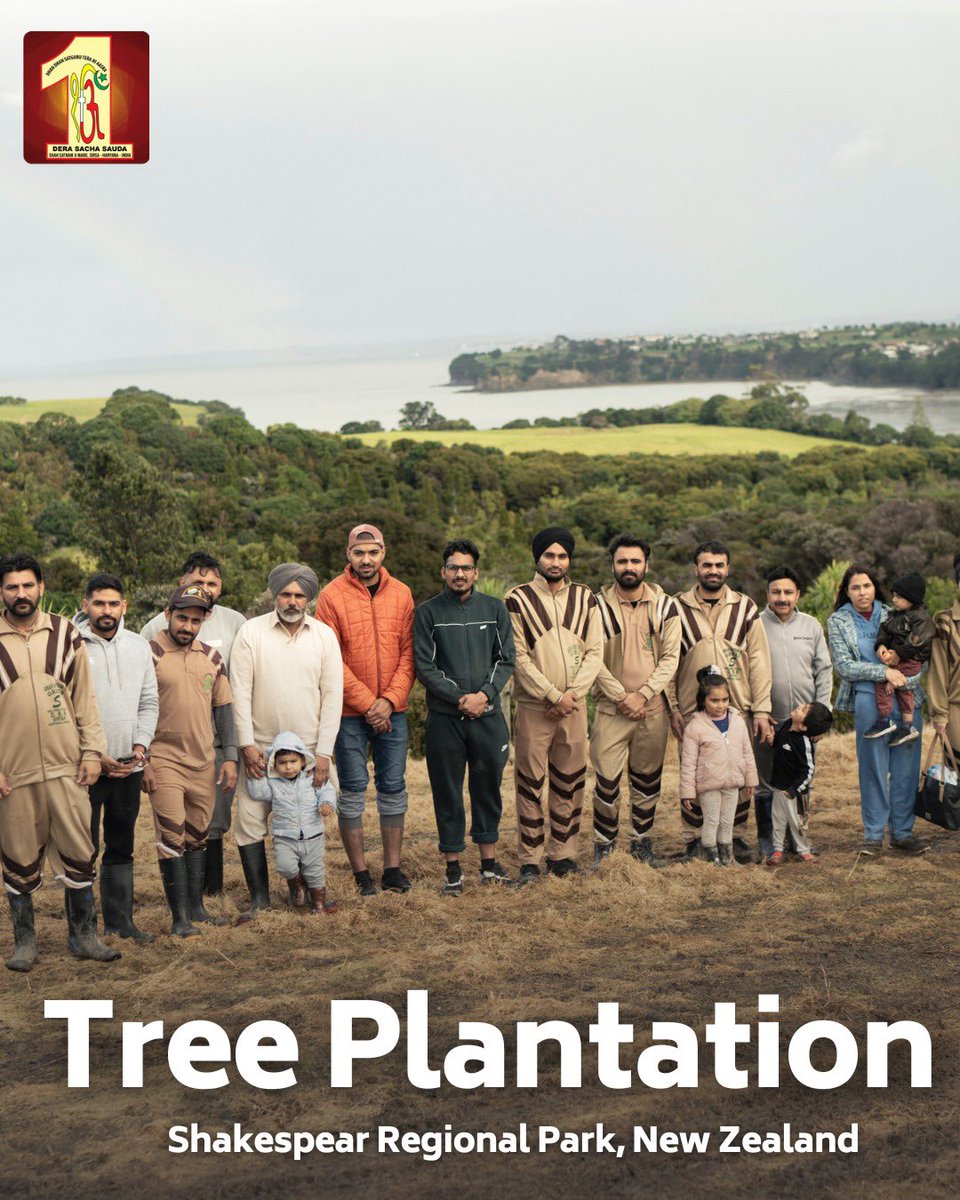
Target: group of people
[(221, 720)]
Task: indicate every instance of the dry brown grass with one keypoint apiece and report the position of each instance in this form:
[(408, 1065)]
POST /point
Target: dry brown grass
[(845, 940)]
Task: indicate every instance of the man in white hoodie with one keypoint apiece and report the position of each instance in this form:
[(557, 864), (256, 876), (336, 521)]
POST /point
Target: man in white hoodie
[(125, 685)]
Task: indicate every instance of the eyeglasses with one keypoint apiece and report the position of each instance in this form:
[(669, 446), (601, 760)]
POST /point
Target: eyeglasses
[(458, 570)]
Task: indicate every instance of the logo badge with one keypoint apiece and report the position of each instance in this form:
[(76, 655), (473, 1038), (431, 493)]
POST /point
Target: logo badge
[(86, 97)]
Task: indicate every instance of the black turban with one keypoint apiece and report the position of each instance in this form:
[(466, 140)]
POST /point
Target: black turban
[(546, 537)]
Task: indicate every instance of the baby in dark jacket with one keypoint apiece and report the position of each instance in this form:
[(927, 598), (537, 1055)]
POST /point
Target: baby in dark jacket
[(904, 642), (297, 819), (792, 775)]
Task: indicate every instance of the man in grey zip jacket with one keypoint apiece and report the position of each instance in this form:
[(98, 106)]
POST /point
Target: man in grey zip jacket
[(464, 656), (220, 627), (125, 684), (802, 672)]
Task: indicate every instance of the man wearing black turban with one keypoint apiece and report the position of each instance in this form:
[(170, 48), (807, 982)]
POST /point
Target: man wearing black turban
[(556, 627)]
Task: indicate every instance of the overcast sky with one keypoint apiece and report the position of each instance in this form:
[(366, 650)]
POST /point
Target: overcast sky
[(392, 170)]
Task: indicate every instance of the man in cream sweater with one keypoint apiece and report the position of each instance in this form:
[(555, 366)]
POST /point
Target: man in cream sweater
[(286, 673)]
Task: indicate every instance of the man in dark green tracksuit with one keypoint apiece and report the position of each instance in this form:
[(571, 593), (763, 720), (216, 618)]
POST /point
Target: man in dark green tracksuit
[(463, 651)]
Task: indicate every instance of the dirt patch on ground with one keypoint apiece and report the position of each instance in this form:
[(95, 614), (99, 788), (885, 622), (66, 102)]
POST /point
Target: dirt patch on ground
[(849, 939)]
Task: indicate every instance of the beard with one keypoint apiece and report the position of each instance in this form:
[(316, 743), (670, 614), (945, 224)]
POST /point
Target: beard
[(24, 607), (290, 615), (629, 580), (105, 624)]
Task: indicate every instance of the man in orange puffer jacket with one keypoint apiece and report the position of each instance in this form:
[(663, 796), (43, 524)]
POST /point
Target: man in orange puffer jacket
[(371, 614)]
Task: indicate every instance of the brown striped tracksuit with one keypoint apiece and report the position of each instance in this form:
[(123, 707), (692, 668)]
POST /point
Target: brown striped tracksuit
[(730, 635), (558, 649), (943, 680), (50, 723), (192, 681), (641, 649)]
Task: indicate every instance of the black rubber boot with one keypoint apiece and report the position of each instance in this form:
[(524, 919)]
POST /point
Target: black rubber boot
[(116, 902), (196, 861), (25, 940), (253, 859), (83, 940), (763, 808), (691, 851), (213, 871), (173, 871), (642, 850)]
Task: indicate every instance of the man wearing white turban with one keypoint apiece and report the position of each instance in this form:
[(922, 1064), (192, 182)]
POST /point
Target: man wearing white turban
[(286, 673)]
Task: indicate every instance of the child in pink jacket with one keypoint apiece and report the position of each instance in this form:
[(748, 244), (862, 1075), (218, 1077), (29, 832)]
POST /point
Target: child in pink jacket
[(716, 761)]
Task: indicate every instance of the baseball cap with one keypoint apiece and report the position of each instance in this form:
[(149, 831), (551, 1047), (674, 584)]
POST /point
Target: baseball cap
[(191, 596), (354, 537)]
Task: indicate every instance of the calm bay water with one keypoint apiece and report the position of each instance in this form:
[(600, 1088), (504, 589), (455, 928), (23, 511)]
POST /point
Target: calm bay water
[(323, 395)]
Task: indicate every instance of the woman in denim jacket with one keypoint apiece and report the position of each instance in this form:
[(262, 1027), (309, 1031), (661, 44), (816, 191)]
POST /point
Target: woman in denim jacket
[(888, 775)]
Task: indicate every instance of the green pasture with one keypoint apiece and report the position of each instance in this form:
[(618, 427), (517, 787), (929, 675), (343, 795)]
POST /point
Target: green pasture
[(634, 439), (82, 410)]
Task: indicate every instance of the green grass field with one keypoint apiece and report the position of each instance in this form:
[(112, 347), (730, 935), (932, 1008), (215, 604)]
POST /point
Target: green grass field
[(640, 439), (82, 410)]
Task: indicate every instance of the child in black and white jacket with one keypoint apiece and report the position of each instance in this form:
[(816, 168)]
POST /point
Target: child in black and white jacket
[(792, 775)]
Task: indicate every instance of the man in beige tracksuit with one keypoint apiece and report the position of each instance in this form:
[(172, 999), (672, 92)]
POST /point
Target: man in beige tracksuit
[(641, 650), (723, 627), (556, 628), (49, 756)]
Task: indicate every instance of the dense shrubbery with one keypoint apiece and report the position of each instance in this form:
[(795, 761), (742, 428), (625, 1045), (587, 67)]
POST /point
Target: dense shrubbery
[(133, 490)]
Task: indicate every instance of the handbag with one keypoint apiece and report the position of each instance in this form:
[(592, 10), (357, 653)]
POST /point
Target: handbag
[(937, 800)]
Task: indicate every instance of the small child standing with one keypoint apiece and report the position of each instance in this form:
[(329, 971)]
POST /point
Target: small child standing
[(792, 776), (297, 824), (904, 642), (716, 761)]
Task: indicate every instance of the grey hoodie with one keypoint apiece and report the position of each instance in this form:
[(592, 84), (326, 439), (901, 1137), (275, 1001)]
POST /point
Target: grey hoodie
[(125, 684), (295, 802)]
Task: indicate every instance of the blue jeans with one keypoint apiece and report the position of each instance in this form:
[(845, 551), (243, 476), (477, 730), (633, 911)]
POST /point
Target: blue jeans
[(888, 778), (389, 751)]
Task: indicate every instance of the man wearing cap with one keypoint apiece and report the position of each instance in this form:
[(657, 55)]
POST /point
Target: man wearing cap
[(557, 631), (287, 675), (371, 614), (181, 776), (220, 627)]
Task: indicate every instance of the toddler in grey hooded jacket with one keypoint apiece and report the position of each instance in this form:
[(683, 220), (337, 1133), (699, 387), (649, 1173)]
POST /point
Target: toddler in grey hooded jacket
[(297, 822)]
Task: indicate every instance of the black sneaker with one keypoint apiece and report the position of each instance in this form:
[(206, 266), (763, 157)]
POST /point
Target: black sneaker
[(529, 873), (881, 728), (561, 867), (742, 852), (902, 734), (642, 851), (602, 850), (394, 880), (691, 851), (365, 885), (910, 845), (452, 887), (870, 848), (492, 872)]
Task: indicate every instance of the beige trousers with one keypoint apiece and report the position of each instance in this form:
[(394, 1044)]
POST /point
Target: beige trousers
[(50, 818), (616, 744), (182, 807), (559, 749)]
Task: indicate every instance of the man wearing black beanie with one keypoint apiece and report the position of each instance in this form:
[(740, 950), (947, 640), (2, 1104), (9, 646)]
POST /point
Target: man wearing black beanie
[(556, 627)]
